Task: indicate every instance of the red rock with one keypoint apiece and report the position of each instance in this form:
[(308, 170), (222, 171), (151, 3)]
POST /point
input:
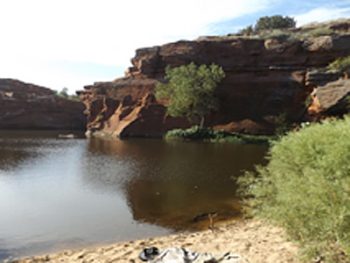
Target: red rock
[(331, 99), (27, 106), (264, 79)]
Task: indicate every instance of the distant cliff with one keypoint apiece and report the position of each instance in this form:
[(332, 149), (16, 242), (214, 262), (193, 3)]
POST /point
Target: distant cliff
[(27, 106), (267, 76)]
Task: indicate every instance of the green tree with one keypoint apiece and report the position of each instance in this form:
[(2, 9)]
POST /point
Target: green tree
[(274, 22), (63, 93), (247, 31), (190, 90)]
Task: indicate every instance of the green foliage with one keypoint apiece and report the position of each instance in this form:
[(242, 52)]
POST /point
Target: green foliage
[(282, 28), (321, 31), (247, 31), (274, 22), (282, 124), (314, 32), (193, 133), (190, 90), (308, 101), (207, 134), (63, 93), (306, 188), (278, 34), (341, 64)]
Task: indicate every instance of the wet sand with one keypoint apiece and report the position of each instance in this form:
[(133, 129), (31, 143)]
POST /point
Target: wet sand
[(254, 240)]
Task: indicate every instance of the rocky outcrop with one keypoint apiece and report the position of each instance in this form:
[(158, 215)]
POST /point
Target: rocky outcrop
[(126, 107), (265, 78), (331, 99), (27, 106)]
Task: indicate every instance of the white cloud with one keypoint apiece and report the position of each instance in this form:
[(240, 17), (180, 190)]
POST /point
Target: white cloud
[(322, 14), (35, 33)]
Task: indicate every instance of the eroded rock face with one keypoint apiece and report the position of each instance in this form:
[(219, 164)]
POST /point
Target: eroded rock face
[(126, 107), (264, 79), (27, 106), (331, 99)]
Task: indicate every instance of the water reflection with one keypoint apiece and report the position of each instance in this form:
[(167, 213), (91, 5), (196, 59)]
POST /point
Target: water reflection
[(59, 194), (169, 184), (18, 147)]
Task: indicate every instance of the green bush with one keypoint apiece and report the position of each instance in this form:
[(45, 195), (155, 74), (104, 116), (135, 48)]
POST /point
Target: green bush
[(247, 31), (315, 32), (322, 31), (193, 133), (341, 64), (64, 94), (274, 22), (278, 34), (306, 188), (208, 134)]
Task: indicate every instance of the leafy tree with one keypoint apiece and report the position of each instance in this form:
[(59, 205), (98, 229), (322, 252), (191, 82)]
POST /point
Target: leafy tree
[(190, 90), (274, 22)]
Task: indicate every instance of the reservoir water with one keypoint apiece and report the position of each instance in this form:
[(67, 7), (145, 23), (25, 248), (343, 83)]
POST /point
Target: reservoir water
[(58, 193)]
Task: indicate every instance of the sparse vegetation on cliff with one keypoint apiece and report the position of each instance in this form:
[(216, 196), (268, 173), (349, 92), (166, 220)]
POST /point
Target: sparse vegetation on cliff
[(207, 134), (274, 27), (274, 22), (306, 188), (341, 64), (278, 34), (190, 90), (264, 77), (247, 31), (64, 94), (269, 23), (317, 32)]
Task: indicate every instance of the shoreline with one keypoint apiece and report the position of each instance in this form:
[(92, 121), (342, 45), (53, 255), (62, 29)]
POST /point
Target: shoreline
[(256, 241)]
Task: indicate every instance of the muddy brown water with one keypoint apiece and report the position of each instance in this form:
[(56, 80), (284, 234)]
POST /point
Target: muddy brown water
[(64, 193)]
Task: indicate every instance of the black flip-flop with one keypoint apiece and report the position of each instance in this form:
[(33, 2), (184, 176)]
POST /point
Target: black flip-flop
[(149, 253)]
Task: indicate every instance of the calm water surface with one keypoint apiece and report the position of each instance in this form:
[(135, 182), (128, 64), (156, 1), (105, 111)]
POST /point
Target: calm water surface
[(57, 193)]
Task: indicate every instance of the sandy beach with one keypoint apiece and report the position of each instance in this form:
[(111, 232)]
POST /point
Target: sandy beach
[(254, 240)]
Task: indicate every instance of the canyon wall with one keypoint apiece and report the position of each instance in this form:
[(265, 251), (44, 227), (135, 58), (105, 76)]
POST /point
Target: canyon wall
[(28, 106), (266, 78)]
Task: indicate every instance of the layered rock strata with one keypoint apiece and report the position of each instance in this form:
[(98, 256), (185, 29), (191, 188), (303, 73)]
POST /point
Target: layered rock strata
[(27, 106), (265, 78)]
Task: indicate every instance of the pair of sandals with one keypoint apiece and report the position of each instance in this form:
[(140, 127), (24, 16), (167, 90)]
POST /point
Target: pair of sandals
[(182, 255)]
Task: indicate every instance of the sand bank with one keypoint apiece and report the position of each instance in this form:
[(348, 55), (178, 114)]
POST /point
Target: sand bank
[(256, 241)]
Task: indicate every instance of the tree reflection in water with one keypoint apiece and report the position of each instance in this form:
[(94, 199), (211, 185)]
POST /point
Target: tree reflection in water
[(171, 183)]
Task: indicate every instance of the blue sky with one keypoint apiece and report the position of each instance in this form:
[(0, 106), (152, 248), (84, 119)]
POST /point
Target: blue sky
[(303, 11), (328, 10), (72, 43)]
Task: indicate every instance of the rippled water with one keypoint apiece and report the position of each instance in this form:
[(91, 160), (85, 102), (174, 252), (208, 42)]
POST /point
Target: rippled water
[(57, 193)]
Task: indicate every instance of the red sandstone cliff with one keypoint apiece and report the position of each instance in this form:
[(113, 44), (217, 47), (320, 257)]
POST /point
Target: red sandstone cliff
[(27, 106), (265, 77)]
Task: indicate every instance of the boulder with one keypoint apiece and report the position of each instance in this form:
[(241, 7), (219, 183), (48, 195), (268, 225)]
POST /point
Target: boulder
[(331, 99)]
